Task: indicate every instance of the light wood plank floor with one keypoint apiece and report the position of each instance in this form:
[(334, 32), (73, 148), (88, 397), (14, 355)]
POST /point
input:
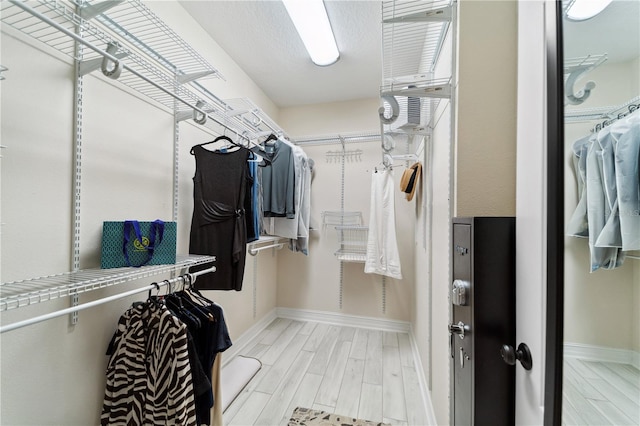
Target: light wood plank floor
[(355, 372), (600, 393)]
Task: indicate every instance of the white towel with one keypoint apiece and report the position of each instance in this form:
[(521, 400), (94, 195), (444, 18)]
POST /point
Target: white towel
[(383, 257)]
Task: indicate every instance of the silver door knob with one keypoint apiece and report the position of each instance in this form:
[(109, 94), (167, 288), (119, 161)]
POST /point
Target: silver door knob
[(458, 329)]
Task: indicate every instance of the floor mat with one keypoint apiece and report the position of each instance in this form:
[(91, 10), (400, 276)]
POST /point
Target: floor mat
[(308, 417), (235, 377)]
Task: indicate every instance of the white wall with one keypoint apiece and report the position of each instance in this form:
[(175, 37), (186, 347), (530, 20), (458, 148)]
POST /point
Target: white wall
[(312, 282), (599, 306), (485, 144), (127, 170)]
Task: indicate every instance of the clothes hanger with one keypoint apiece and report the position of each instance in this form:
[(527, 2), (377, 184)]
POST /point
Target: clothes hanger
[(270, 138), (218, 139), (198, 310)]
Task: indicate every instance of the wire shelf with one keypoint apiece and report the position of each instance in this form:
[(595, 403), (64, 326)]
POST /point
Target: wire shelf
[(339, 218), (601, 113), (156, 78), (137, 24), (353, 243), (412, 35), (586, 63), (260, 123), (18, 294)]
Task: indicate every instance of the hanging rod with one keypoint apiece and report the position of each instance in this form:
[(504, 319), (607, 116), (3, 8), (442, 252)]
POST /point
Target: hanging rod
[(66, 311), (254, 251), (327, 140), (269, 242)]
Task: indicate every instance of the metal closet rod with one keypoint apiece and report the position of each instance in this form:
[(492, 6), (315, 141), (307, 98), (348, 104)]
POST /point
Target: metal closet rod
[(45, 317), (116, 62), (326, 140)]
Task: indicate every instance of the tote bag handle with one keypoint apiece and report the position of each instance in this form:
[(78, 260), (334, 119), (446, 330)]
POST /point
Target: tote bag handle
[(157, 227)]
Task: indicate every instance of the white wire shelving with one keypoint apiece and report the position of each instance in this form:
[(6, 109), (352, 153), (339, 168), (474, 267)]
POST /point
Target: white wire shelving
[(604, 113), (154, 60), (17, 294), (413, 35), (133, 47)]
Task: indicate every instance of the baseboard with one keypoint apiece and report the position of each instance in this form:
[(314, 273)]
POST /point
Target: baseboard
[(344, 319), (248, 336), (602, 353), (422, 380)]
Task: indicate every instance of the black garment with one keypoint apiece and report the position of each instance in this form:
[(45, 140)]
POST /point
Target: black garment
[(218, 226), (213, 340), (210, 338)]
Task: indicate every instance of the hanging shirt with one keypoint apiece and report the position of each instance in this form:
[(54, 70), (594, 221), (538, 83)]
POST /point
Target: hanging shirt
[(298, 227), (148, 373), (382, 257), (278, 181)]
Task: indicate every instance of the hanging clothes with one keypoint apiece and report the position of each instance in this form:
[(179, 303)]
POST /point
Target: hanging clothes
[(296, 228), (627, 161), (218, 226), (278, 181), (301, 244), (148, 373), (382, 256), (607, 169), (211, 337), (251, 206)]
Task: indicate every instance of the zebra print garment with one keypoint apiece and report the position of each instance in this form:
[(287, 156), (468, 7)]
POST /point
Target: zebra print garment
[(148, 374)]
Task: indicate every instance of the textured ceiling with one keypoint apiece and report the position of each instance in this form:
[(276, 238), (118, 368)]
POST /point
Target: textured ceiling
[(261, 38), (615, 31)]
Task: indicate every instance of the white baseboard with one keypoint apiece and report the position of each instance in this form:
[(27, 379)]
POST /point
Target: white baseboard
[(422, 380), (601, 353), (248, 337), (344, 319)]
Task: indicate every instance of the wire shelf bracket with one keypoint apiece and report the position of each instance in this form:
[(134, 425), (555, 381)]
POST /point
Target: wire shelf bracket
[(574, 69)]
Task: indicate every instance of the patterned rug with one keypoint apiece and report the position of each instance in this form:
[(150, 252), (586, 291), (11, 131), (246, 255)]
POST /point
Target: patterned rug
[(308, 417)]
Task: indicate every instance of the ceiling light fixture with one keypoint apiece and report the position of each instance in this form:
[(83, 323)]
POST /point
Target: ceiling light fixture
[(312, 23), (581, 10)]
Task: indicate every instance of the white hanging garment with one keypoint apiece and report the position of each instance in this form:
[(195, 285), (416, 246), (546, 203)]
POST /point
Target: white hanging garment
[(383, 257), (627, 159)]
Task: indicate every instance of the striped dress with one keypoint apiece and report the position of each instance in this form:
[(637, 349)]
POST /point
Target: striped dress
[(148, 374)]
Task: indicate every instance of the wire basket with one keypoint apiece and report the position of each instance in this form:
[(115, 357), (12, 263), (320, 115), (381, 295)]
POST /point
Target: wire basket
[(353, 243)]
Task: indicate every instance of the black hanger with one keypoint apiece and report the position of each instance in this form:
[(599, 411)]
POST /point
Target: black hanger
[(271, 137), (218, 139), (196, 309)]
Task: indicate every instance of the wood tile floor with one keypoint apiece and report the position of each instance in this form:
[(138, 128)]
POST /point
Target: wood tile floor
[(367, 374), (600, 393)]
